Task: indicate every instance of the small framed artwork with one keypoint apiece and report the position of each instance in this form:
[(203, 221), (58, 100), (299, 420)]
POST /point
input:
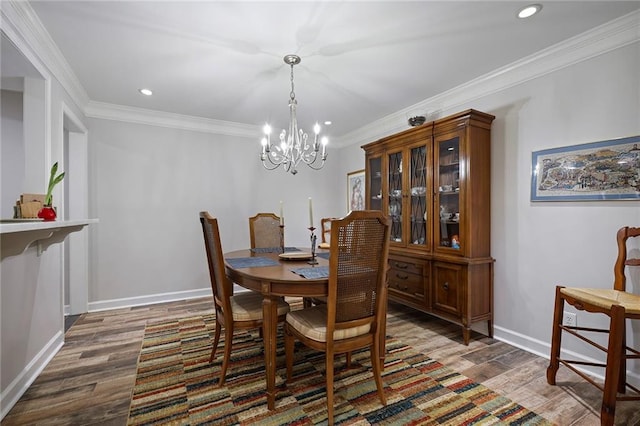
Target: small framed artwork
[(605, 170), (355, 190)]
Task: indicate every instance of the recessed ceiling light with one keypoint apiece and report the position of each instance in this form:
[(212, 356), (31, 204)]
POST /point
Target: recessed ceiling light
[(146, 92), (327, 123), (529, 11)]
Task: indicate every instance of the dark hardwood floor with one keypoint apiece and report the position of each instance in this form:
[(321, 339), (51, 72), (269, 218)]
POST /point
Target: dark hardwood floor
[(89, 382)]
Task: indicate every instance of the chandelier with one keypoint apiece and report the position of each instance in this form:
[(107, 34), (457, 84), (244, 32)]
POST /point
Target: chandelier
[(294, 146)]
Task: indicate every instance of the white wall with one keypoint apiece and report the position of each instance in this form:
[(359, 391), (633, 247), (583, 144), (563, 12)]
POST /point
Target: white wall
[(11, 151), (539, 245), (31, 286), (148, 185)]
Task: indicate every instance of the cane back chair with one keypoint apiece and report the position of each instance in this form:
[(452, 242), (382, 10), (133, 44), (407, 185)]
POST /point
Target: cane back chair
[(241, 311), (354, 316), (265, 231)]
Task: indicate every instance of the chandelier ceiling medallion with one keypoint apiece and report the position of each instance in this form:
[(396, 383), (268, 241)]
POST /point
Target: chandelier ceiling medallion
[(294, 146)]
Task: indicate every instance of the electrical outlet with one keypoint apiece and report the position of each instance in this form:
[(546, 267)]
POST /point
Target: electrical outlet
[(569, 319)]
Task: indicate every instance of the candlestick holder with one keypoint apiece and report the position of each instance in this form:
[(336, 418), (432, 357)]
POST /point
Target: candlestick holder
[(314, 238), (281, 238)]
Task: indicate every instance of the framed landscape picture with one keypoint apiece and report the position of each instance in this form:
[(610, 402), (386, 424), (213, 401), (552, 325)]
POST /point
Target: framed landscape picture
[(355, 190), (605, 170)]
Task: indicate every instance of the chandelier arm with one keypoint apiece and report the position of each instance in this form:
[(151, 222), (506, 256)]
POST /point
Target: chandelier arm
[(264, 164), (316, 167)]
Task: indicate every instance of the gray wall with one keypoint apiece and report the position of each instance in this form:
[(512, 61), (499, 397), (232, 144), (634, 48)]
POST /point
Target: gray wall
[(149, 183)]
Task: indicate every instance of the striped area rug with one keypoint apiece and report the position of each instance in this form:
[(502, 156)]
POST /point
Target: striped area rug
[(175, 384)]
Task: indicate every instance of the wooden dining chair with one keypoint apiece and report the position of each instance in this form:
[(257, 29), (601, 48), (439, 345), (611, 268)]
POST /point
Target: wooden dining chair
[(355, 313), (241, 311), (619, 305), (265, 231), (325, 229)]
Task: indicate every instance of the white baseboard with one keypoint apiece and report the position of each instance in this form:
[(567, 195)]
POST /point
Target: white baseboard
[(21, 383), (543, 349), (152, 299)]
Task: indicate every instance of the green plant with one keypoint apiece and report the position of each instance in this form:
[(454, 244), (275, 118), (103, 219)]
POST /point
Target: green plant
[(53, 181)]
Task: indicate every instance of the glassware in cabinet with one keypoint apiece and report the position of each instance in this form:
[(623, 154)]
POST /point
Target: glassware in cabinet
[(374, 189), (394, 198), (418, 201), (448, 193)]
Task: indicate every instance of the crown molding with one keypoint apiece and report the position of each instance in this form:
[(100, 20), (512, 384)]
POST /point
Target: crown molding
[(136, 115), (26, 30), (33, 40), (597, 41)]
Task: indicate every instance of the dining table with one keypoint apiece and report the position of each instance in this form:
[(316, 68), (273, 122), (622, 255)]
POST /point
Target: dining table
[(276, 274)]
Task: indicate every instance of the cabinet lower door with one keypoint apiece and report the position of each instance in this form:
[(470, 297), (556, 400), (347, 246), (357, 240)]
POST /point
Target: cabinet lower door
[(448, 288)]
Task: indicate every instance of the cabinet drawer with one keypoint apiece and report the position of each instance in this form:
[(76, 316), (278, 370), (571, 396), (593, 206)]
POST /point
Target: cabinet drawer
[(411, 284), (404, 266)]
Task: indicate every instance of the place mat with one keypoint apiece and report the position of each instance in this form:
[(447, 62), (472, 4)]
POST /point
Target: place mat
[(250, 262), (312, 273), (273, 249)]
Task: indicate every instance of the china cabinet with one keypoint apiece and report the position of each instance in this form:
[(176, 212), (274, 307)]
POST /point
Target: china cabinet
[(433, 180)]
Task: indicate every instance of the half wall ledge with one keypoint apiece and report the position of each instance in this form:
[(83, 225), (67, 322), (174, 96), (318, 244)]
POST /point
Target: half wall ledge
[(16, 237)]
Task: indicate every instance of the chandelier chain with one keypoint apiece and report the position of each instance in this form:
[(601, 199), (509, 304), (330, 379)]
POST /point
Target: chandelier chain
[(292, 95)]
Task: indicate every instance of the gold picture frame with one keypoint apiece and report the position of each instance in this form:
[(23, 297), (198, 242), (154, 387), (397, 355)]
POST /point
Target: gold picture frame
[(356, 190)]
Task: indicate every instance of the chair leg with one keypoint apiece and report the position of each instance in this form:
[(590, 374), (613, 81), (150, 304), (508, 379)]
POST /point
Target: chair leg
[(377, 373), (329, 385), (289, 342), (216, 339), (612, 372), (556, 338), (228, 342), (348, 356)]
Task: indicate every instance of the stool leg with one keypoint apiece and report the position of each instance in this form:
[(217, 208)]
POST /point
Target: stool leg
[(612, 373), (556, 338), (622, 378)]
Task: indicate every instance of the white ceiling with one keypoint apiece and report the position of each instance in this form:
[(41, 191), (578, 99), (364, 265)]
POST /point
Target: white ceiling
[(361, 61)]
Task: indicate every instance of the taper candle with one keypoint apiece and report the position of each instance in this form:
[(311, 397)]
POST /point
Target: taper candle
[(310, 214), (281, 214)]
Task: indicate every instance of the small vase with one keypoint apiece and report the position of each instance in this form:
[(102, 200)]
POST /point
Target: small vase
[(47, 213)]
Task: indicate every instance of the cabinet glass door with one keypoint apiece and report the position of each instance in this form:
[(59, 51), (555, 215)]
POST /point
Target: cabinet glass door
[(374, 189), (395, 195), (418, 196), (448, 186)]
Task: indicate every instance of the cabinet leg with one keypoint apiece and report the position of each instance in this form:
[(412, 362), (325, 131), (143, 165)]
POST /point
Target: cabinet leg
[(466, 334)]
